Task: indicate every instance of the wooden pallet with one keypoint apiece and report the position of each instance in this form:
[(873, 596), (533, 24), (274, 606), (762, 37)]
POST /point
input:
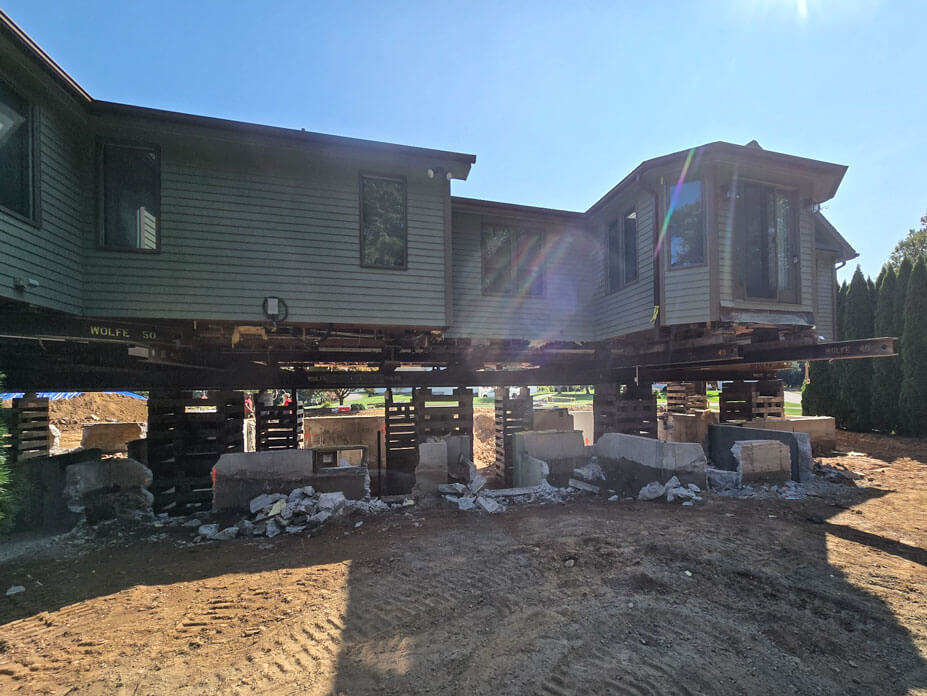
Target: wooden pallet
[(746, 401), (513, 414), (631, 410), (186, 437), (28, 429), (278, 427)]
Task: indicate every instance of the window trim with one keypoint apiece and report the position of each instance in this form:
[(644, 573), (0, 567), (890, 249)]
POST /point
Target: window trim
[(667, 196), (401, 178), (515, 231), (623, 282), (101, 195), (34, 218)]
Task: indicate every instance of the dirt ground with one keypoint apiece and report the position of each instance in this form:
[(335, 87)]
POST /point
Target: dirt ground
[(70, 415), (818, 596)]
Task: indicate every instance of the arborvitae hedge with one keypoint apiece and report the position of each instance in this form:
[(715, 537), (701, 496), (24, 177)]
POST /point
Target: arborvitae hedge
[(886, 372), (914, 354), (856, 377), (838, 408)]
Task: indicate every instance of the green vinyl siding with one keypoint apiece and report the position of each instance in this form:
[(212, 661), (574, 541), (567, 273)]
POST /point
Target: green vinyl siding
[(48, 249), (237, 229), (629, 308), (560, 314)]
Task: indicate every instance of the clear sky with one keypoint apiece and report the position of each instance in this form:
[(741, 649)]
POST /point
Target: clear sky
[(557, 103)]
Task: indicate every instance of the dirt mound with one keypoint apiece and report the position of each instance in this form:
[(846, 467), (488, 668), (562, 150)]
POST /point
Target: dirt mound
[(82, 409), (484, 438)]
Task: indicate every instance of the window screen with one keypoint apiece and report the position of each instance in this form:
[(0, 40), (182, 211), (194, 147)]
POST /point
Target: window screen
[(131, 179), (383, 222)]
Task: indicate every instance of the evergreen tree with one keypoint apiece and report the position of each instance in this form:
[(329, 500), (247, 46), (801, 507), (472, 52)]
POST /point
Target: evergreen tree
[(856, 377), (886, 372), (819, 396), (902, 278), (839, 408), (914, 354)]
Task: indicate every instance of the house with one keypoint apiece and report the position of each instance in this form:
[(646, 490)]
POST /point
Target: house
[(157, 247)]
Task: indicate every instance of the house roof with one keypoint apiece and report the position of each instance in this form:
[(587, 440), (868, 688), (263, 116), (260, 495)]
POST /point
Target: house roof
[(95, 106), (827, 238), (827, 175), (460, 204)]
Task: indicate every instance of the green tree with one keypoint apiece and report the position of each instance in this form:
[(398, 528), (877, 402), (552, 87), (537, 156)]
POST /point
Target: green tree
[(856, 377), (821, 393), (838, 408), (886, 372), (912, 247), (901, 292), (914, 354)]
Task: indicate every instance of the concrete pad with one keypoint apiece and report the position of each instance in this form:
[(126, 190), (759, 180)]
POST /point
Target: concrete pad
[(763, 461), (242, 476), (111, 438), (630, 462), (562, 450)]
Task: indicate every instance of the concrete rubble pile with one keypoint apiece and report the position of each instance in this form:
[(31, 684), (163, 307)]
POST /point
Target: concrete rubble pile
[(673, 491), (302, 509)]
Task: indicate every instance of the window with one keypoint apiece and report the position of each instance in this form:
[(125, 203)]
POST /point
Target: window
[(383, 222), (766, 227), (629, 240), (16, 176), (622, 251), (131, 193), (513, 261), (685, 224)]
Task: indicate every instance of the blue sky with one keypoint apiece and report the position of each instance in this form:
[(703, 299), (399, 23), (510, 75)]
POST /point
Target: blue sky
[(557, 103)]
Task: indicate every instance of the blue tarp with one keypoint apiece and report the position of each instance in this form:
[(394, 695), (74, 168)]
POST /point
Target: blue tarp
[(55, 396)]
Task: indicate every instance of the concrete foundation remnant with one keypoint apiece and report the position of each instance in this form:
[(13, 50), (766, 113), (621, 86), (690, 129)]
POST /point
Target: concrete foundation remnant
[(686, 427), (630, 462), (431, 470), (530, 471), (563, 451), (722, 437), (242, 476)]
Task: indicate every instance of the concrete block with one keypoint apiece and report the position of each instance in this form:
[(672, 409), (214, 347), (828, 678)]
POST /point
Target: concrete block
[(431, 471), (630, 462), (686, 427), (722, 437), (489, 505), (347, 430), (111, 438), (552, 418), (821, 430), (562, 450), (530, 471), (104, 475), (242, 476), (584, 421), (763, 461)]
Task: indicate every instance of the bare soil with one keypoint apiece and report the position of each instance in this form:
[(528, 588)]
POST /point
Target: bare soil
[(70, 415), (818, 596)]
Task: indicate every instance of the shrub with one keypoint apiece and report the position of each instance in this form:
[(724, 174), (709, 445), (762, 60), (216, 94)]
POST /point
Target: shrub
[(856, 377), (914, 354), (886, 372)]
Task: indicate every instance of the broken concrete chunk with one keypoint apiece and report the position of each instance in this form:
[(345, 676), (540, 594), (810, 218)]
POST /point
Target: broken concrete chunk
[(583, 486), (320, 518), (277, 507), (489, 505), (651, 491), (207, 530), (15, 589), (678, 492), (225, 534), (763, 461), (331, 502), (591, 472), (272, 529), (672, 483), (477, 483), (294, 528), (452, 489), (721, 480), (694, 488), (530, 471), (466, 503), (613, 498)]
